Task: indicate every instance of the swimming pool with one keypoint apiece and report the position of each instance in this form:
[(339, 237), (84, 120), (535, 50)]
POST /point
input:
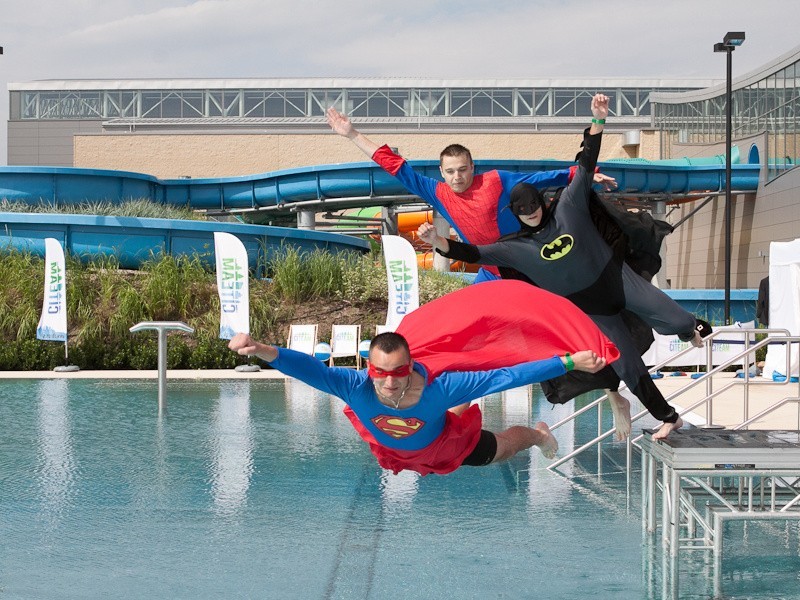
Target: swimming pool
[(261, 489)]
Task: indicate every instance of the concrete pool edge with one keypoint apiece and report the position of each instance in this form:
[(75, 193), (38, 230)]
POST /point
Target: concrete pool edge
[(172, 374)]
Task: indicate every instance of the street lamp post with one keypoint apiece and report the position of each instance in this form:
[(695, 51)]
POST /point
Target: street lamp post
[(729, 43)]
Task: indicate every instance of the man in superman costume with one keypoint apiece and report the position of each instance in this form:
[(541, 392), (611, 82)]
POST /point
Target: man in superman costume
[(445, 354)]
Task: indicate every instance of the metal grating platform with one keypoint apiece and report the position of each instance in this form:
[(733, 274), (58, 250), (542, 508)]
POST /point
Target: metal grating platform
[(709, 449)]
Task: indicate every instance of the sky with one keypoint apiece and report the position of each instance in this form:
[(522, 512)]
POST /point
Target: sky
[(447, 39)]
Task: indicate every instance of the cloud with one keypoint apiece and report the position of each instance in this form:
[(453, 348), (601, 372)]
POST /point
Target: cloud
[(448, 39)]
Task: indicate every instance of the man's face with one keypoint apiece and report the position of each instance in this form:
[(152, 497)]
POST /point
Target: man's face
[(533, 219), (457, 172), (389, 386)]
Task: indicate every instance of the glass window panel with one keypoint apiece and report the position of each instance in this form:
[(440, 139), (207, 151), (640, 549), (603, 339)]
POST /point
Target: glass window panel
[(113, 105), (254, 104), (565, 103), (460, 103), (215, 103), (171, 107), (129, 106), (503, 105), (295, 103), (397, 101), (437, 102), (542, 100), (358, 99), (151, 104), (482, 105), (377, 105), (274, 107), (525, 106), (192, 106)]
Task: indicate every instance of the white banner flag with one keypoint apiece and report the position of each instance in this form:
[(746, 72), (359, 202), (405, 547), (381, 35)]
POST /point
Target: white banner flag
[(728, 343), (401, 271), (232, 285), (53, 322)]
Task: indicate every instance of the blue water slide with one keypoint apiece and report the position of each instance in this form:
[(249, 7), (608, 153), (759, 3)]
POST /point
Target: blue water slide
[(351, 180), (358, 180), (134, 239)]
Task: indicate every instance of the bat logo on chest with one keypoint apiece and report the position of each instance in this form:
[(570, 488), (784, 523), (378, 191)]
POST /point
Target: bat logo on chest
[(558, 248)]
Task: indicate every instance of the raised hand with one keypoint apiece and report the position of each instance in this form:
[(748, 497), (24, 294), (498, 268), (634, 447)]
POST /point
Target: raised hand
[(600, 106), (608, 183), (427, 233), (340, 123)]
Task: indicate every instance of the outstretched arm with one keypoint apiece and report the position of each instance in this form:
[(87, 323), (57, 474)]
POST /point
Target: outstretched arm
[(341, 125), (462, 386), (468, 253), (591, 150), (338, 381)]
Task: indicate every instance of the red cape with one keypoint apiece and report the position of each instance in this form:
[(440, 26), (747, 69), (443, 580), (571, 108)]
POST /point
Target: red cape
[(499, 324)]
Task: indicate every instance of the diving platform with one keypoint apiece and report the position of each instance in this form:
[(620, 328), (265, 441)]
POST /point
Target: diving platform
[(697, 480)]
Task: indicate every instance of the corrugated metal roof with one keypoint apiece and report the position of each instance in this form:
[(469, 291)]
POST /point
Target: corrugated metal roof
[(359, 82)]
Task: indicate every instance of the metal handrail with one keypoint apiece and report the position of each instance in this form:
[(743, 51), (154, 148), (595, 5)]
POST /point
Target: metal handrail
[(706, 378)]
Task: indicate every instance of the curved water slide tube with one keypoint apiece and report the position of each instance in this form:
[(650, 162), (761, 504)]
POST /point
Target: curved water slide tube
[(323, 187)]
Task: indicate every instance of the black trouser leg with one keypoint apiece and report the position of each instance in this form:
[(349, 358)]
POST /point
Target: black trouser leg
[(632, 370)]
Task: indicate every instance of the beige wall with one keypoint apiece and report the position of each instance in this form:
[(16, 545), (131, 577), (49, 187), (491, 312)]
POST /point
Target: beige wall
[(199, 155)]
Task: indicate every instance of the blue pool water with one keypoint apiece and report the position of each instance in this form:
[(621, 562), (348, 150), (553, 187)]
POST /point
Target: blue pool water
[(261, 489)]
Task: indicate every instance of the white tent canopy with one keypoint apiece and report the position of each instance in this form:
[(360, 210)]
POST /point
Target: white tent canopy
[(784, 305)]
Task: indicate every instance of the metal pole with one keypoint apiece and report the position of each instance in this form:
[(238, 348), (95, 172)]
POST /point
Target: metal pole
[(162, 327), (728, 134), (162, 370)]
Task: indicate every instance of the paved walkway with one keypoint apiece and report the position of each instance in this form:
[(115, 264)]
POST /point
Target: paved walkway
[(728, 408)]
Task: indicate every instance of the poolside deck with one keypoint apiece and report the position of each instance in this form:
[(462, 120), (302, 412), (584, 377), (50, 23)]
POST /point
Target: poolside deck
[(729, 408)]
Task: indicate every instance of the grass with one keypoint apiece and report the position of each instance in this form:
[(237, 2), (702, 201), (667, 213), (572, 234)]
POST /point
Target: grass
[(104, 301), (130, 208)]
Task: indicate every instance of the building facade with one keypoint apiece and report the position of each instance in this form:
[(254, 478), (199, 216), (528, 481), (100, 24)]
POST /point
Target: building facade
[(218, 128), (224, 128), (765, 117)]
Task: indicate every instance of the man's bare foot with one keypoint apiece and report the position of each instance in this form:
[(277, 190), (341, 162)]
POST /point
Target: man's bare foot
[(667, 428), (621, 409), (697, 340), (549, 444)]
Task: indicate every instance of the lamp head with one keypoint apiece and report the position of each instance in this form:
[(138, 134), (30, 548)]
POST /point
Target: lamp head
[(733, 38)]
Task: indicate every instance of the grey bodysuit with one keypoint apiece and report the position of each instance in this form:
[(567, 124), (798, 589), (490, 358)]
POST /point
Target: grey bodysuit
[(568, 257)]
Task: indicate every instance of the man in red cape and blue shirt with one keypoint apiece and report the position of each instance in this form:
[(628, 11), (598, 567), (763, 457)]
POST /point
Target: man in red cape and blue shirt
[(444, 355)]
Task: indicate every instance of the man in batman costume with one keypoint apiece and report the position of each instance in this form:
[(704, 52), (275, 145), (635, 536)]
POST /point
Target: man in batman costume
[(562, 251)]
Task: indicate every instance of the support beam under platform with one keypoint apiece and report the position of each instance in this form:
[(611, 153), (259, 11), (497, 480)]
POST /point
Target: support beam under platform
[(707, 477)]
